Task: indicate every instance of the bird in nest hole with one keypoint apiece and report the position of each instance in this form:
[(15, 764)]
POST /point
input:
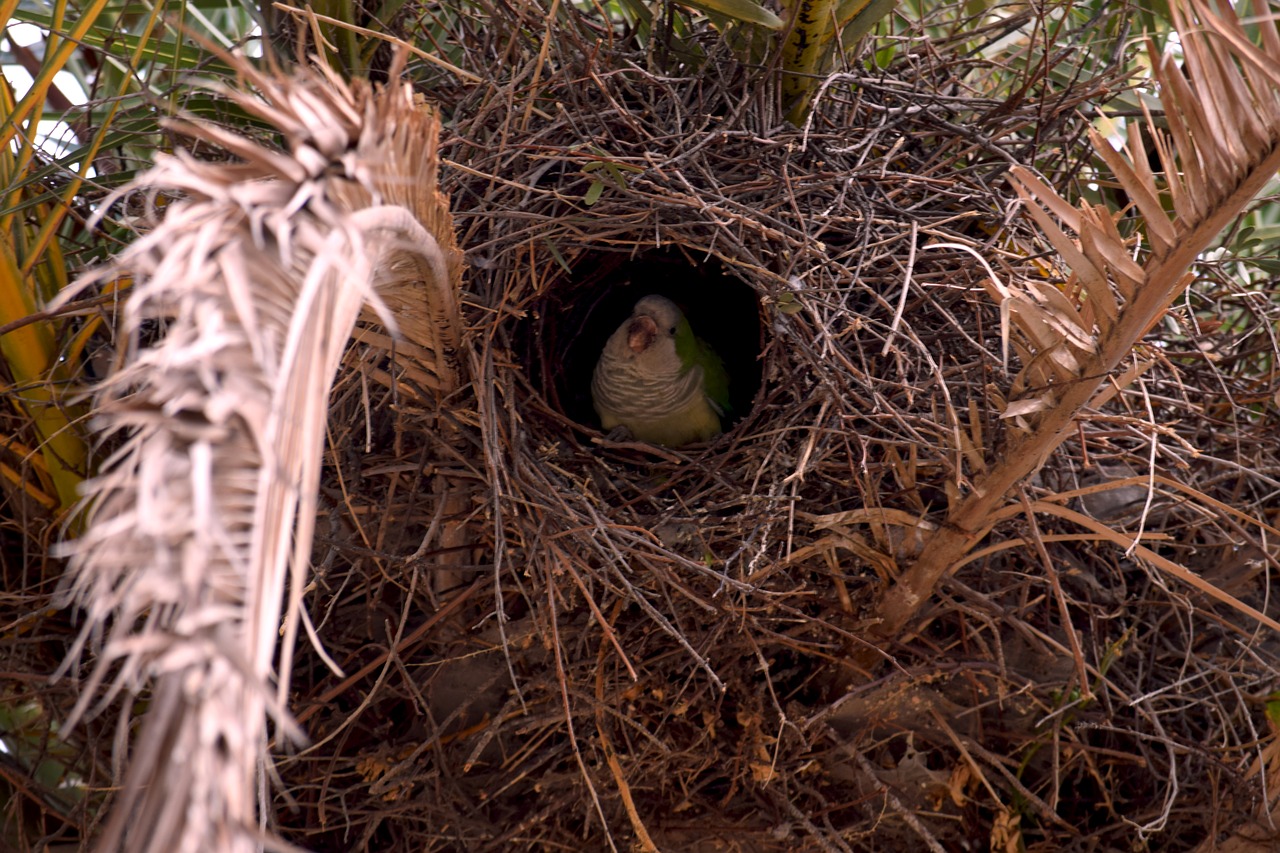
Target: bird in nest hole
[(658, 381)]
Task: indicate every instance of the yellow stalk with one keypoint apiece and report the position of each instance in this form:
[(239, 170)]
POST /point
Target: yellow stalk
[(31, 350), (807, 52), (31, 353), (55, 59), (811, 21), (44, 240)]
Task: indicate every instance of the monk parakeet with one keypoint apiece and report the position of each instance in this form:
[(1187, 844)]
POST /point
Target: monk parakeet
[(658, 380)]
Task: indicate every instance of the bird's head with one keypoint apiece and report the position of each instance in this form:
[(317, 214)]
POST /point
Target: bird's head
[(649, 336)]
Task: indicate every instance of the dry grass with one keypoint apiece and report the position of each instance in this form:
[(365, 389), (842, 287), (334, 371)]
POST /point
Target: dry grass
[(621, 647)]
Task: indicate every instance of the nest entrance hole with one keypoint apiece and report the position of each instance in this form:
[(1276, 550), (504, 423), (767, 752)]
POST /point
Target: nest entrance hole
[(579, 313)]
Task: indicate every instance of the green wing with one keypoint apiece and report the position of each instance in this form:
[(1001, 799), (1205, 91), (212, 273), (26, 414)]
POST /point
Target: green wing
[(695, 351)]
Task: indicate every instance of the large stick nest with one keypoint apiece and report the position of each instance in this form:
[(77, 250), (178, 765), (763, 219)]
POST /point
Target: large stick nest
[(554, 641)]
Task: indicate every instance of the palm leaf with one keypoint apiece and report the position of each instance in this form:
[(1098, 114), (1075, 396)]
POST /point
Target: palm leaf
[(258, 272), (1222, 109)]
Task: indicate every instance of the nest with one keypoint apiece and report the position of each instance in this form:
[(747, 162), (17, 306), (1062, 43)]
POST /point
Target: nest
[(637, 646), (630, 647)]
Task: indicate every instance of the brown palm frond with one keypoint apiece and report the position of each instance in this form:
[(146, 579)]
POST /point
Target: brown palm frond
[(199, 531), (1223, 144)]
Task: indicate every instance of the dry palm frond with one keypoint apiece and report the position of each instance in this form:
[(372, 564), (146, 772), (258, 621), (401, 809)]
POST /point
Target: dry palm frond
[(1223, 145), (200, 529)]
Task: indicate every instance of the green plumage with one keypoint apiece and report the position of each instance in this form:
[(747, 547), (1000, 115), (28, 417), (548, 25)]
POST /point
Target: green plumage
[(695, 352)]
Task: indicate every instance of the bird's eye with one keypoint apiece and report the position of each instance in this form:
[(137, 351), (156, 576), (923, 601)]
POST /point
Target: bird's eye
[(672, 331)]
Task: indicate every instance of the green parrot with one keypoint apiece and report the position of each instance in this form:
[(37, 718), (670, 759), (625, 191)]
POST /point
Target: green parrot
[(658, 380)]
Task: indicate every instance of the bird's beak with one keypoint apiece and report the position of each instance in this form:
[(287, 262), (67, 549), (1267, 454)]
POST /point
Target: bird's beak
[(641, 333)]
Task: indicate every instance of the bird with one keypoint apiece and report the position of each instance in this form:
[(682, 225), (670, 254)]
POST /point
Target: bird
[(659, 381)]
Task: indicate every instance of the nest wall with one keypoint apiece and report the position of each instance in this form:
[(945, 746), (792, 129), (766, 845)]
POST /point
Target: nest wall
[(635, 645)]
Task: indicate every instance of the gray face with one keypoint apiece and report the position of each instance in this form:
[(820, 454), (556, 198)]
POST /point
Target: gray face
[(639, 372), (647, 339)]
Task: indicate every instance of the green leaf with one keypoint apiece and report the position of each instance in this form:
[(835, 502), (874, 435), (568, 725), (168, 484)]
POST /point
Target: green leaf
[(856, 18), (1273, 709), (788, 304), (739, 10)]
